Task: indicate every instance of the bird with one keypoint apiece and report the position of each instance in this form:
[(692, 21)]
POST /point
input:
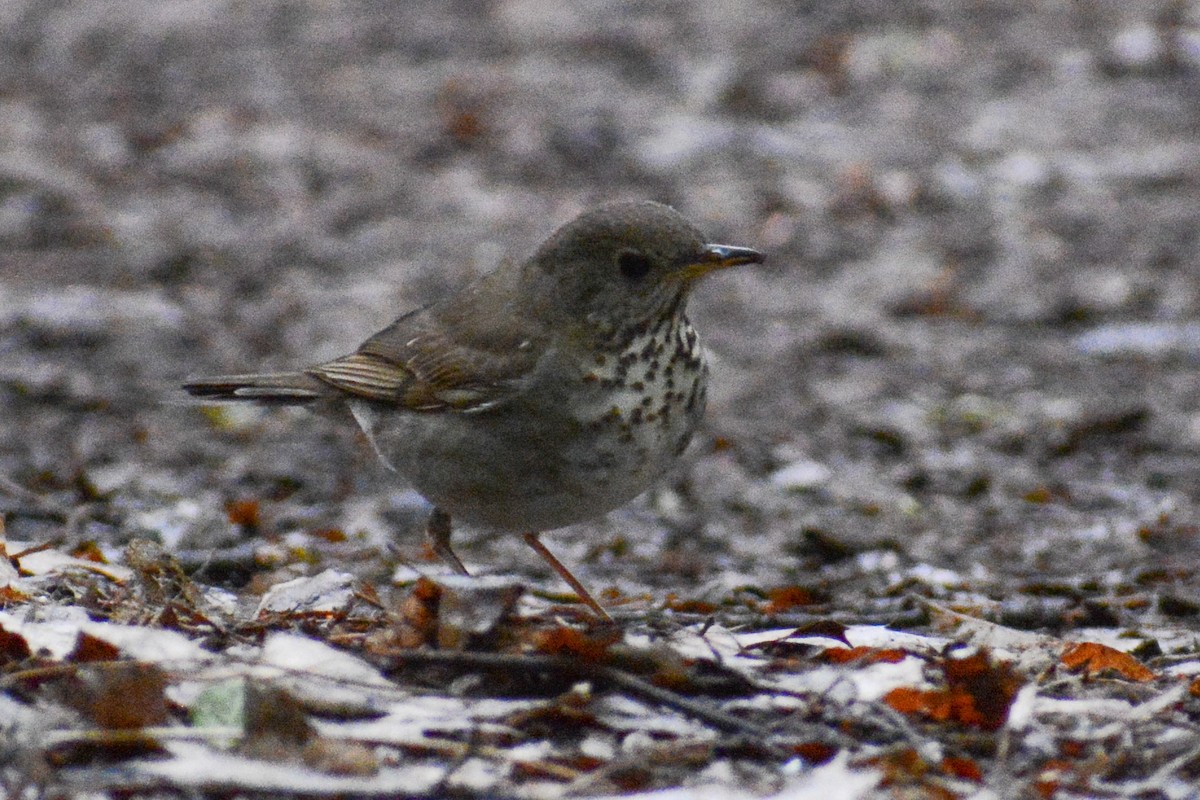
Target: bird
[(546, 392)]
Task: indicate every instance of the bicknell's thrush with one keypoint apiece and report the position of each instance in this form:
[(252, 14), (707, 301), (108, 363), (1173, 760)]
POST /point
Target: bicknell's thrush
[(543, 393)]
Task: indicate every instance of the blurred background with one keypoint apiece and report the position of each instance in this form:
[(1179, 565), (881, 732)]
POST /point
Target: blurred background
[(974, 345)]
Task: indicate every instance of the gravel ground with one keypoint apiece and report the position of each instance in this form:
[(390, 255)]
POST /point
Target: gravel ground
[(969, 365)]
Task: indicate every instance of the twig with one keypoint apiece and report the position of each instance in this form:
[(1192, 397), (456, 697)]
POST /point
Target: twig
[(37, 548), (573, 667), (901, 618), (10, 487), (37, 512)]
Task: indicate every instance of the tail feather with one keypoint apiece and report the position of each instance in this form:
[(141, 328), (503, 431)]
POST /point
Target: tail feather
[(280, 388)]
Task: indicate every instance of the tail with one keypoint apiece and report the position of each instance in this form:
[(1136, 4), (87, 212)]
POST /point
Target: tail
[(279, 388)]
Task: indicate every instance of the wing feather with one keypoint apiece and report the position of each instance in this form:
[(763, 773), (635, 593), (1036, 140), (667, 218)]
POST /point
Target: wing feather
[(466, 355)]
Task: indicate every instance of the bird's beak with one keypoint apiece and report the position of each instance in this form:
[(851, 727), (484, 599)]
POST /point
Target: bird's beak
[(718, 256)]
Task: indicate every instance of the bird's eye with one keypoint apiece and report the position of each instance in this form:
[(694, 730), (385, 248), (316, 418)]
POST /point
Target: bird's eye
[(633, 265)]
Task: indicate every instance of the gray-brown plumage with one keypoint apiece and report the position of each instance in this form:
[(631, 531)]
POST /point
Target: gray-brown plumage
[(544, 393)]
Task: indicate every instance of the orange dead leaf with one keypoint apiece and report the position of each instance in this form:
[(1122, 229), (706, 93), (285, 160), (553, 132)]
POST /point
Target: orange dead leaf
[(940, 705), (89, 551), (1072, 749), (978, 693), (88, 648), (13, 647), (863, 655), (416, 615), (1094, 658), (569, 641), (244, 512), (989, 688), (785, 598), (584, 763), (815, 752), (10, 596), (426, 591), (963, 768), (689, 606), (907, 700), (333, 535)]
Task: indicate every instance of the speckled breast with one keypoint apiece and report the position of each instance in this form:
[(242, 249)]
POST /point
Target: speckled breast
[(645, 403)]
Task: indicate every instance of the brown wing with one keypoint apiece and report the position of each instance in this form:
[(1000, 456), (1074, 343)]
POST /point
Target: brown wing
[(468, 353)]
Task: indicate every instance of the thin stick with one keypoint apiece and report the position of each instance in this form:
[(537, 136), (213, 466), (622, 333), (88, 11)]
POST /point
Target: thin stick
[(575, 668)]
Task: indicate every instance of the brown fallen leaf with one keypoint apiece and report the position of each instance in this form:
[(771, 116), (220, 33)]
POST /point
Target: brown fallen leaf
[(120, 695), (964, 768), (863, 655), (1095, 659), (245, 513), (978, 693), (13, 648), (785, 598), (88, 648), (591, 646)]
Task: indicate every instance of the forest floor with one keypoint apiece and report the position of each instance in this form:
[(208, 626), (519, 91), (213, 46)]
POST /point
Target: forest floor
[(939, 534)]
